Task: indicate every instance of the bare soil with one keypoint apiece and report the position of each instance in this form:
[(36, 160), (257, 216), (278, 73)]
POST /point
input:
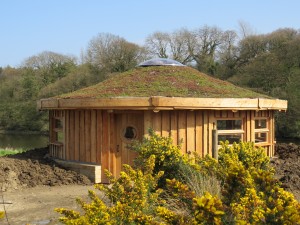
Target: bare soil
[(287, 166), (32, 185)]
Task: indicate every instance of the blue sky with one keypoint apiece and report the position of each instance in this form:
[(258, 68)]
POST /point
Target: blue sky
[(29, 27)]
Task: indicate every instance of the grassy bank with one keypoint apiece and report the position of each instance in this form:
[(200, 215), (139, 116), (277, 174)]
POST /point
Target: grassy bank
[(10, 151)]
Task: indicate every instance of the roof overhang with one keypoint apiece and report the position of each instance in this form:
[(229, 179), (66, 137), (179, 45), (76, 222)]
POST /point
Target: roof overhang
[(163, 103)]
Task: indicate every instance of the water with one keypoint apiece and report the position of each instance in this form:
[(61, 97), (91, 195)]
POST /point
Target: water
[(23, 141)]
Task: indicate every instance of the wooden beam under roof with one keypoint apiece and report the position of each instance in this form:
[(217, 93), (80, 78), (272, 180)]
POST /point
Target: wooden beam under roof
[(163, 103)]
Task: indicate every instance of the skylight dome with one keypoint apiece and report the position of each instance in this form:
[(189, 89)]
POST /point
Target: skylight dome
[(160, 62)]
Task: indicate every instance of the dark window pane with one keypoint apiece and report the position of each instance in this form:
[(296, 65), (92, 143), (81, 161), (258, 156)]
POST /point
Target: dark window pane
[(58, 124), (229, 124), (260, 123), (130, 132), (260, 137)]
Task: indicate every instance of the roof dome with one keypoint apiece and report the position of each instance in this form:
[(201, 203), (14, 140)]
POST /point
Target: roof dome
[(160, 62)]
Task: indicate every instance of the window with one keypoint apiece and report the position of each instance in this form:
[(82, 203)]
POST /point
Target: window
[(230, 130), (261, 130), (129, 133), (57, 131)]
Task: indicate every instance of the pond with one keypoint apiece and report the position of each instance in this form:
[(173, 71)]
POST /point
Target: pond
[(24, 141)]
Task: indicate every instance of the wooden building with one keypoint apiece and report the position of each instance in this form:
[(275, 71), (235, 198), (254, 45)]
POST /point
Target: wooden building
[(91, 128)]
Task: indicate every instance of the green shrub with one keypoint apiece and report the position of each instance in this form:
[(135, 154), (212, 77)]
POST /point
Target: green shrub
[(132, 199), (247, 191)]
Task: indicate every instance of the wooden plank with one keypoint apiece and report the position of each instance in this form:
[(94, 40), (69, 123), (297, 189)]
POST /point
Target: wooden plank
[(47, 103), (124, 150), (87, 134), (156, 118), (103, 103), (199, 133), (82, 137), (174, 127), (105, 146), (137, 121), (272, 134), (93, 136), (99, 136), (272, 104), (147, 122), (165, 124), (71, 135), (230, 114), (112, 145), (217, 113), (190, 132), (66, 124), (247, 127), (236, 114), (182, 130), (205, 133), (77, 135), (207, 102), (165, 102), (51, 115), (224, 114), (118, 130), (211, 122), (252, 122)]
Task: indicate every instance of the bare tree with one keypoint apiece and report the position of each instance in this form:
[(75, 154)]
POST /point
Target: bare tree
[(207, 40), (158, 44), (245, 29), (179, 46), (113, 53)]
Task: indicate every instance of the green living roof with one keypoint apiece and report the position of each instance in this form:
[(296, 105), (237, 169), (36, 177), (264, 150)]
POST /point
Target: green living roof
[(168, 81)]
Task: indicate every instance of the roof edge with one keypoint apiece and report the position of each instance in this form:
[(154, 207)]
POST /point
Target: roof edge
[(163, 103)]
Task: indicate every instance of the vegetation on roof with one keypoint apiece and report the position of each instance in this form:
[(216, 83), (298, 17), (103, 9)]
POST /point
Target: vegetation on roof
[(169, 81)]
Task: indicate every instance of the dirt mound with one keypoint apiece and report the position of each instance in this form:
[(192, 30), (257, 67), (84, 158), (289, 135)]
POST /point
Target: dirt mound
[(34, 168), (287, 165)]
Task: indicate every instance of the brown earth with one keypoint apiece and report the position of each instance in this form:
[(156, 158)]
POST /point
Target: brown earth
[(32, 185), (287, 166)]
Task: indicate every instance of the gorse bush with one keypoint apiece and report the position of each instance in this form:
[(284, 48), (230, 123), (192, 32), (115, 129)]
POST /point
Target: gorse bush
[(167, 156), (243, 190)]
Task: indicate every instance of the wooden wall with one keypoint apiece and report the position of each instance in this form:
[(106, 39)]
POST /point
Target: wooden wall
[(193, 129), (90, 136)]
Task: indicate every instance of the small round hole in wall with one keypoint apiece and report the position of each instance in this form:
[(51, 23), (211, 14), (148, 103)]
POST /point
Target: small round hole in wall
[(129, 133)]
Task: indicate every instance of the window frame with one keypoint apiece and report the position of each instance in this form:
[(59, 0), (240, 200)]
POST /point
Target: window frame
[(56, 131), (264, 130), (240, 132)]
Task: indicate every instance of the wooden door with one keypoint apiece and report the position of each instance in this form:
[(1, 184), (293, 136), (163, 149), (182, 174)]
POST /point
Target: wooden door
[(129, 127)]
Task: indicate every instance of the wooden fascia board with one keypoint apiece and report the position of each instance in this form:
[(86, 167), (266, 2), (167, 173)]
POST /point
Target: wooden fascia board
[(102, 103), (205, 103), (272, 104), (165, 103), (220, 103), (47, 104)]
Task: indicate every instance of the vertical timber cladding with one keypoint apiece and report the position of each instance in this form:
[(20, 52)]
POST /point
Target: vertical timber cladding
[(56, 143), (84, 135), (185, 127), (89, 137)]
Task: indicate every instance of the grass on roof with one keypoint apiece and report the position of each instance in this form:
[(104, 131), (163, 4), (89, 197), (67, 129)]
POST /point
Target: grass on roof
[(169, 81)]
